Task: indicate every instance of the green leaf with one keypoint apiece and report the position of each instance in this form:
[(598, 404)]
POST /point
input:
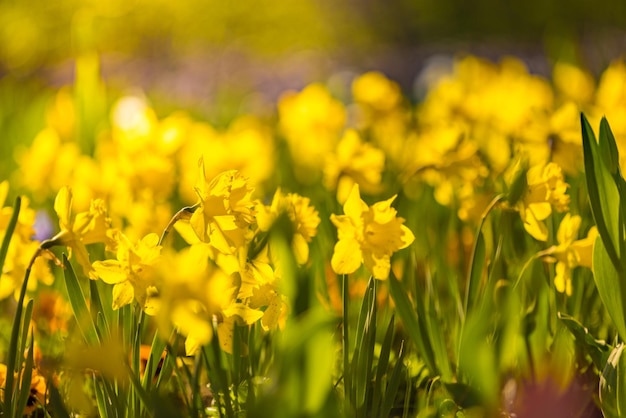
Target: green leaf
[(610, 287), (393, 386), (477, 360), (519, 185), (613, 384), (56, 401), (14, 361), (154, 360), (608, 147), (410, 320), (139, 390), (8, 234), (464, 395), (603, 193), (381, 367), (27, 376), (364, 350), (597, 350), (79, 305)]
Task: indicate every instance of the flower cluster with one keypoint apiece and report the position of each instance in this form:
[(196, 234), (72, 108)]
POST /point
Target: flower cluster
[(484, 132)]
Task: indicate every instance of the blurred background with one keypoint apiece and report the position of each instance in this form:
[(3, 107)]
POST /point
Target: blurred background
[(220, 58)]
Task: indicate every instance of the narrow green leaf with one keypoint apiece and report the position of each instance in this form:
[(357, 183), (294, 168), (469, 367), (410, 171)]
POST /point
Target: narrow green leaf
[(438, 339), (410, 320), (464, 396), (154, 360), (519, 185), (394, 385), (139, 390), (608, 147), (609, 391), (364, 313), (97, 308), (319, 359), (8, 234), (56, 402), (105, 407), (603, 194), (238, 353), (476, 271), (25, 326), (365, 345), (597, 350), (79, 305), (610, 287), (381, 368), (347, 378), (14, 361), (27, 376)]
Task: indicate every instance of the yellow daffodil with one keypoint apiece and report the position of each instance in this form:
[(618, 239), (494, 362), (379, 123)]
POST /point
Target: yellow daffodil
[(311, 121), (132, 272), (368, 235), (82, 229), (570, 252), (38, 388), (21, 249), (304, 217), (546, 191), (193, 291), (225, 210), (376, 91), (354, 161), (246, 145)]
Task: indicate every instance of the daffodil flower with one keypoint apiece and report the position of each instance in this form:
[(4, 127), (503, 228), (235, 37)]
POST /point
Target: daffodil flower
[(368, 235), (354, 161), (225, 210), (303, 216), (546, 191), (21, 249), (132, 272), (570, 252), (82, 229)]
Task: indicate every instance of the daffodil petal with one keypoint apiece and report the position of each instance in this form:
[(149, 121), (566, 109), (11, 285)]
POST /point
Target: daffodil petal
[(378, 265), (354, 206), (123, 294), (110, 271), (407, 236), (347, 256), (62, 206), (300, 249)]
